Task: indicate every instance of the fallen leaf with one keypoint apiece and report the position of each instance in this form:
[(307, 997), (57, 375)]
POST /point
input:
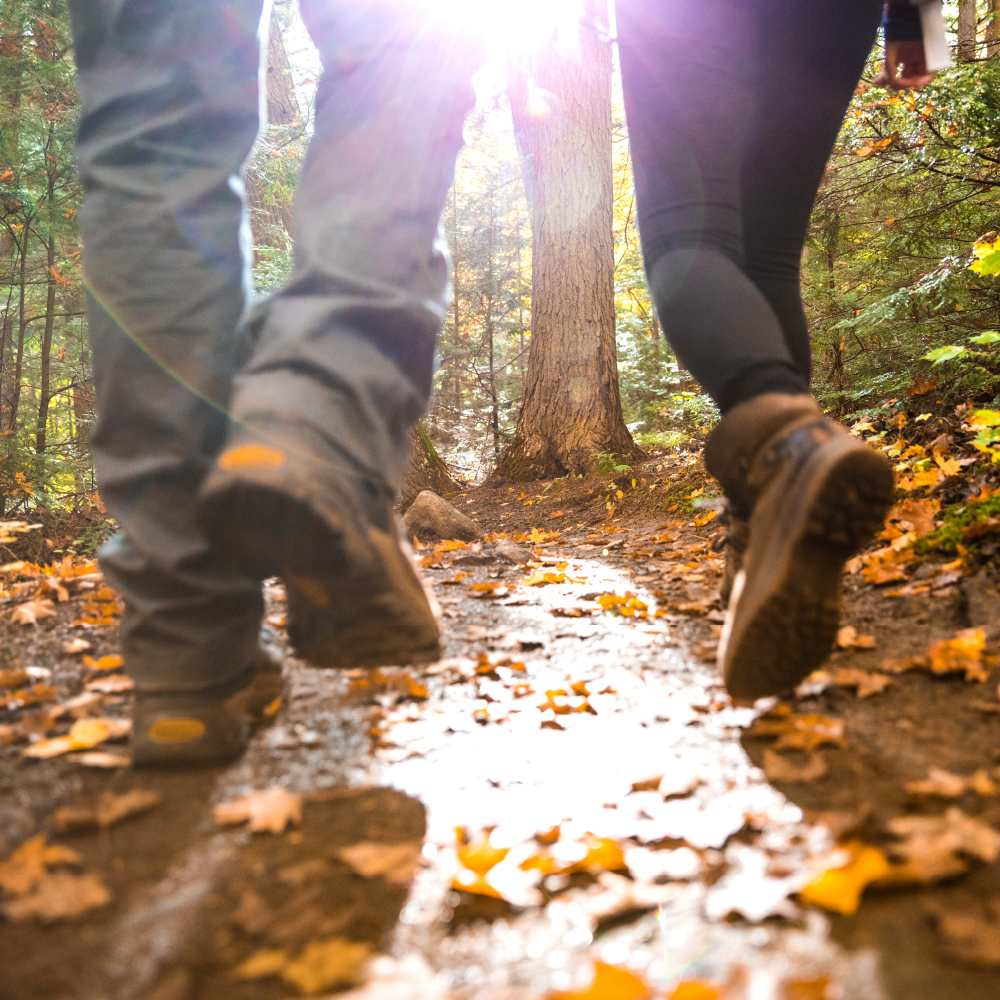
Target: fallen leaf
[(110, 685), (779, 768), (950, 786), (480, 855), (112, 662), (328, 964), (840, 886), (269, 810), (799, 732), (848, 638), (262, 963), (85, 733), (866, 684), (921, 386), (697, 989), (14, 678), (817, 988), (398, 863), (59, 896), (700, 522), (82, 705), (29, 612), (30, 863), (930, 846), (76, 646), (971, 933), (611, 983), (603, 855), (34, 695), (98, 758), (110, 809), (964, 654)]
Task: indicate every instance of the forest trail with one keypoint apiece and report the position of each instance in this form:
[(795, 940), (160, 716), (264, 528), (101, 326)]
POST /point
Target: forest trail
[(570, 785)]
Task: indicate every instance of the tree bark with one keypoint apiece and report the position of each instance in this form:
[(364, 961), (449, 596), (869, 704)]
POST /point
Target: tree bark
[(562, 121), (966, 30), (992, 32), (427, 471), (270, 218), (15, 399), (45, 390)]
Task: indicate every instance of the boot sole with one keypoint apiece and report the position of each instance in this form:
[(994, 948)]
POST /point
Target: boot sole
[(350, 600), (785, 609)]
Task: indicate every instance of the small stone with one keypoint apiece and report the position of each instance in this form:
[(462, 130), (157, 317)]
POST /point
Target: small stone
[(512, 553), (430, 516)]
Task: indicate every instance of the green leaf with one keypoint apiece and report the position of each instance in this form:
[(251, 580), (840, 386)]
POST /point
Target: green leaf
[(989, 337), (987, 258), (947, 353)]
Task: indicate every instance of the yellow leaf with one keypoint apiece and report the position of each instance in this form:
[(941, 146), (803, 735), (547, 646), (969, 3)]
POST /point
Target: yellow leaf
[(963, 653), (839, 888), (480, 855), (702, 521), (603, 855), (612, 983), (262, 963), (85, 733), (104, 662), (696, 989)]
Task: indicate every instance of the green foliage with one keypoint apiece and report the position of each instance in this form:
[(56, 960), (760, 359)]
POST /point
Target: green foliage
[(607, 463), (949, 536)]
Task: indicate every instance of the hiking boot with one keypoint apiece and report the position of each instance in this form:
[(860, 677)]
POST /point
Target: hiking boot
[(191, 728), (737, 536), (813, 495), (291, 505)]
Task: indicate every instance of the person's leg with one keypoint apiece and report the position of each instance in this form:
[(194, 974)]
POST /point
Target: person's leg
[(811, 494), (810, 59), (343, 355), (169, 92), (689, 75)]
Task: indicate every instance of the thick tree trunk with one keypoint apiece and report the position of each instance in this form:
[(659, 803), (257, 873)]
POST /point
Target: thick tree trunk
[(271, 219), (966, 30), (571, 408), (992, 33), (427, 471)]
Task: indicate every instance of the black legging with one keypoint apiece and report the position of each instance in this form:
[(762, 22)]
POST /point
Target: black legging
[(733, 107)]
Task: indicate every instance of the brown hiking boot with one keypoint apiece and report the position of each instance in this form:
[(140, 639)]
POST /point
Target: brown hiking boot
[(196, 728), (813, 495), (737, 536), (290, 505)]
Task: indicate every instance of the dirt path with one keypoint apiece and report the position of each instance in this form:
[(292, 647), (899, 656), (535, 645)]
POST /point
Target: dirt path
[(610, 799)]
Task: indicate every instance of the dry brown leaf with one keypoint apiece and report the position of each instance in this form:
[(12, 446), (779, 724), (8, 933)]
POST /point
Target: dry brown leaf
[(110, 685), (779, 768), (29, 612), (110, 809), (398, 863), (798, 732), (269, 810), (971, 933), (867, 684), (34, 695), (30, 863), (931, 846), (950, 786), (111, 662), (60, 896), (83, 704), (322, 965), (86, 733), (76, 646)]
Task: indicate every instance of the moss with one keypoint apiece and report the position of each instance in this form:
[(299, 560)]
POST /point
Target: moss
[(949, 536)]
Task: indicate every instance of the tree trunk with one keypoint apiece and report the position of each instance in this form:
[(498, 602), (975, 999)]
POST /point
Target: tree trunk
[(992, 33), (271, 219), (15, 399), (45, 393), (427, 471), (966, 30), (572, 407)]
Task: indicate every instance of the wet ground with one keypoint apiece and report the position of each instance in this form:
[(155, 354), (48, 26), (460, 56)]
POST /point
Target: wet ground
[(569, 786)]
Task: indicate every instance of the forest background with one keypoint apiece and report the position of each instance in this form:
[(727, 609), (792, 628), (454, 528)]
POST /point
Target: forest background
[(896, 271)]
